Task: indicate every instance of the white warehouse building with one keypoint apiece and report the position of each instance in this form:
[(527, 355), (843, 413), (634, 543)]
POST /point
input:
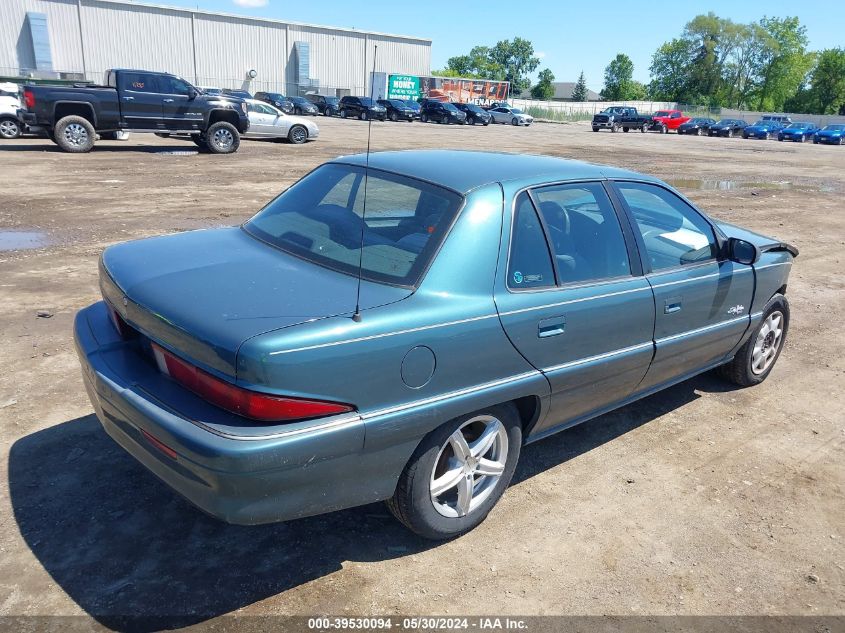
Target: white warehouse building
[(80, 39)]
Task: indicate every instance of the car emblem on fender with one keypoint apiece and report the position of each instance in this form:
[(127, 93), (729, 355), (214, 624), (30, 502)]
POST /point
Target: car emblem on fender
[(739, 309)]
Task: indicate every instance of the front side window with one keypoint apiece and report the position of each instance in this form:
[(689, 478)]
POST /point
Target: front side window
[(674, 233), (529, 265), (584, 232), (322, 218), (173, 86)]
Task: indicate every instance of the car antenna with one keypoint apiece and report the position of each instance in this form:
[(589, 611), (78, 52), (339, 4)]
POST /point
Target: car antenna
[(357, 315)]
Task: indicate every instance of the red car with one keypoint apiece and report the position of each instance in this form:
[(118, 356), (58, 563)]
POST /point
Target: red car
[(665, 120)]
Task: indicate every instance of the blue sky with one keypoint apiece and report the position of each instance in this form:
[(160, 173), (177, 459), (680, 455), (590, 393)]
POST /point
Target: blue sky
[(584, 36)]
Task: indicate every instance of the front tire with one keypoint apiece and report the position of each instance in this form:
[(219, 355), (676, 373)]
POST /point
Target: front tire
[(222, 138), (74, 134), (343, 114), (10, 128), (458, 473), (514, 121), (297, 135), (756, 358)]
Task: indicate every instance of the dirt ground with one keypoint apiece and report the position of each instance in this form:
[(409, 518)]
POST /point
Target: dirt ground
[(703, 499)]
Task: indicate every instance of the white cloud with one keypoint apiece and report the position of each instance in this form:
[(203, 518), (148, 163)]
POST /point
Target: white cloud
[(251, 4), (538, 54)]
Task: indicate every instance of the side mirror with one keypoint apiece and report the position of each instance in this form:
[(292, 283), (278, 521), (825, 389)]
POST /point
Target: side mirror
[(742, 251), (192, 94)]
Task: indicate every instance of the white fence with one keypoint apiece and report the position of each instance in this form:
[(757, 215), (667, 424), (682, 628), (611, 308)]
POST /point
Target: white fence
[(573, 108)]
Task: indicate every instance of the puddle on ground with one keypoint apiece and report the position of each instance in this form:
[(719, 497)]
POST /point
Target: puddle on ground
[(177, 152), (727, 185), (11, 240)]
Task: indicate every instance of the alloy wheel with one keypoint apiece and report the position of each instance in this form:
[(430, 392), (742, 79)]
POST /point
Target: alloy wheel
[(469, 466), (76, 135), (9, 129), (768, 342), (223, 138)]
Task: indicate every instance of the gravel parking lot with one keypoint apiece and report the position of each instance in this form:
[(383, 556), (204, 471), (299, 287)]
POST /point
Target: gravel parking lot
[(703, 499)]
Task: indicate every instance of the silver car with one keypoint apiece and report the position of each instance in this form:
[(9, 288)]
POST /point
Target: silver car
[(266, 121), (514, 116)]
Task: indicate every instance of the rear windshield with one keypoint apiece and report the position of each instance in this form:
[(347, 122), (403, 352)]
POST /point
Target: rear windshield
[(322, 219)]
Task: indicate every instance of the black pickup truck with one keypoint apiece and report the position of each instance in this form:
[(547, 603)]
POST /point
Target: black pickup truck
[(616, 117), (135, 101)]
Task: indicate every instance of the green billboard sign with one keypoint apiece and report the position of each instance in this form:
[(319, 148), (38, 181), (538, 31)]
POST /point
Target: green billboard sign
[(403, 87)]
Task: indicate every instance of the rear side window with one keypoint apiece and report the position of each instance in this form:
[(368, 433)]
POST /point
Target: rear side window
[(322, 219), (584, 231), (530, 264), (137, 82)]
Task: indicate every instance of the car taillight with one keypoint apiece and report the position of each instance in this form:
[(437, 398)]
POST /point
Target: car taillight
[(29, 99), (120, 325), (249, 404)]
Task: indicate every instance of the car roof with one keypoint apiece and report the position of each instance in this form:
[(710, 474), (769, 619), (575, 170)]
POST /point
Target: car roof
[(463, 171)]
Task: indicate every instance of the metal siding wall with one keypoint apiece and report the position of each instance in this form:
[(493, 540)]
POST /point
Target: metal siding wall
[(62, 26), (228, 47), (138, 36), (135, 36)]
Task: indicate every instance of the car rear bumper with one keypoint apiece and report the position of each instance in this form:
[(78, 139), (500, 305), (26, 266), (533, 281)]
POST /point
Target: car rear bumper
[(301, 470)]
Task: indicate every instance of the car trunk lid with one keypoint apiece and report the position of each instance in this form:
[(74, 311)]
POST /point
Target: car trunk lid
[(203, 293)]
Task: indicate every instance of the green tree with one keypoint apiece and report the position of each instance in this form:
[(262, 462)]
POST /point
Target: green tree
[(670, 80), (783, 65), (517, 60), (827, 81), (544, 89), (617, 79), (579, 92)]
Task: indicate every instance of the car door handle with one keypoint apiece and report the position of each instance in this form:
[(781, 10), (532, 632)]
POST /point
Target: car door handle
[(670, 306), (168, 100), (551, 327), (129, 98)]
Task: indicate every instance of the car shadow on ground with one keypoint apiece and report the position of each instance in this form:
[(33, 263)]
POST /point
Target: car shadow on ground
[(102, 146), (136, 556)]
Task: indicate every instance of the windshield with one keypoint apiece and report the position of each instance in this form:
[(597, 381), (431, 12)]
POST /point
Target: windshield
[(212, 91), (472, 107), (516, 111), (413, 104), (834, 127), (367, 101), (450, 107), (763, 122), (797, 126), (320, 219), (396, 103), (661, 113)]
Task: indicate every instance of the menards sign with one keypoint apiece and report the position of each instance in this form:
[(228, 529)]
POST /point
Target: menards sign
[(455, 89)]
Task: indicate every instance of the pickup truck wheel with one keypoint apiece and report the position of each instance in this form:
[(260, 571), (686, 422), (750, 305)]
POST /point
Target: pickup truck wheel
[(756, 358), (74, 134), (222, 138), (614, 127), (644, 128), (625, 129), (595, 129), (10, 128), (664, 129), (298, 135), (458, 473), (199, 141)]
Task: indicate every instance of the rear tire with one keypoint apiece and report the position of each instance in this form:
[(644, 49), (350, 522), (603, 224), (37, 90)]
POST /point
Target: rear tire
[(394, 117), (644, 128), (74, 134), (10, 128), (514, 121), (222, 138), (363, 115), (343, 114), (423, 118), (460, 453), (757, 357), (297, 135)]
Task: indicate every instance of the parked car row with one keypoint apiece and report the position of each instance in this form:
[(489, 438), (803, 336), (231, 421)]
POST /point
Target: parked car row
[(771, 126)]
